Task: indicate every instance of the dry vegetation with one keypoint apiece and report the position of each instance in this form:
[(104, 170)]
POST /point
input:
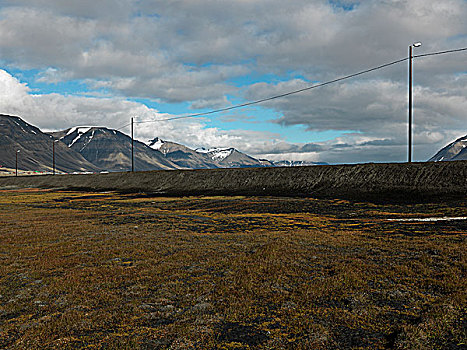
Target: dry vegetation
[(114, 271)]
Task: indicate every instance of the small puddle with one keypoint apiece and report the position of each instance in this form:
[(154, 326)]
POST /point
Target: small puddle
[(444, 218)]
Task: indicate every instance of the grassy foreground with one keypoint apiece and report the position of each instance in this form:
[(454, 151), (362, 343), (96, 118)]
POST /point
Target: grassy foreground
[(113, 271)]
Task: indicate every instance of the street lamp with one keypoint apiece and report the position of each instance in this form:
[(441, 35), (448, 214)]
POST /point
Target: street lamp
[(417, 44), (16, 172)]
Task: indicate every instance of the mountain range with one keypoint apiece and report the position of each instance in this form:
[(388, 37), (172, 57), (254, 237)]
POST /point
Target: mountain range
[(94, 149), (201, 158), (36, 149), (110, 150)]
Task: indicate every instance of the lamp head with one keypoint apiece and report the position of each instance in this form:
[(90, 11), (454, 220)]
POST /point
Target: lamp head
[(417, 44), (17, 151)]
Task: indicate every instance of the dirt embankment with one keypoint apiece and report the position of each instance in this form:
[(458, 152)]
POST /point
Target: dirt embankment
[(393, 181)]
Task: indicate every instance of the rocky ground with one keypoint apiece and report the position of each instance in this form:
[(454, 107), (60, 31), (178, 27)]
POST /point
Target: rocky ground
[(128, 271)]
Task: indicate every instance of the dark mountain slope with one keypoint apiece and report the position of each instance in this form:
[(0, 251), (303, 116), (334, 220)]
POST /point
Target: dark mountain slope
[(99, 148), (204, 158), (181, 155), (111, 150), (35, 149), (230, 158), (456, 150)]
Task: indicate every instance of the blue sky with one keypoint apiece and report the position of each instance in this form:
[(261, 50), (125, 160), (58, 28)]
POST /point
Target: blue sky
[(74, 63), (259, 118), (32, 78)]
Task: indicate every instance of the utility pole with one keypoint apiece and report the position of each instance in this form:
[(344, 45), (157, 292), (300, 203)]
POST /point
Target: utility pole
[(418, 44), (16, 172), (132, 149), (53, 156)]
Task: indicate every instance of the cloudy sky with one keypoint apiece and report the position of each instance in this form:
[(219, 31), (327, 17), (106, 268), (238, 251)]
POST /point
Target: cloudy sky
[(99, 62)]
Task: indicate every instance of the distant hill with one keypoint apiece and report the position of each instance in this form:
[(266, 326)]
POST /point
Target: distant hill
[(456, 150), (35, 149), (181, 155), (94, 149), (202, 158), (111, 150), (230, 158)]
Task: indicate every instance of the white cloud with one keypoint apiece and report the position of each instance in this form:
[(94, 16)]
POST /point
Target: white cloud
[(191, 50), (83, 8), (376, 109), (38, 38), (57, 112)]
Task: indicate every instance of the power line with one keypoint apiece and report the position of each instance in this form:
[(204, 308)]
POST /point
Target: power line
[(440, 52), (277, 96), (123, 126), (294, 91)]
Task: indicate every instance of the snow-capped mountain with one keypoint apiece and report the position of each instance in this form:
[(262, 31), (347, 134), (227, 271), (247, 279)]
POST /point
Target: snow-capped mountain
[(36, 149), (216, 153), (155, 143), (111, 150), (181, 155), (217, 157), (202, 158), (90, 148), (230, 157), (456, 150)]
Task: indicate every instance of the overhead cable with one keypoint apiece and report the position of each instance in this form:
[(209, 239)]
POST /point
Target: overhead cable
[(195, 115), (440, 52)]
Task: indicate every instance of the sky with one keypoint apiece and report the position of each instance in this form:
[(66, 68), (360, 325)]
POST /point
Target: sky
[(66, 63)]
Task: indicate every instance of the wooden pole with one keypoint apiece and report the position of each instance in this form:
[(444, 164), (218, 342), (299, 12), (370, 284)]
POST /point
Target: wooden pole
[(132, 148)]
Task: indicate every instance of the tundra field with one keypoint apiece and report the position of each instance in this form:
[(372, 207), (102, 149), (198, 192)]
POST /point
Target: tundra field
[(84, 270)]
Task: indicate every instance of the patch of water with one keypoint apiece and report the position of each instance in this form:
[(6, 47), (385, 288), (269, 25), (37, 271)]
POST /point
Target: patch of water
[(444, 218)]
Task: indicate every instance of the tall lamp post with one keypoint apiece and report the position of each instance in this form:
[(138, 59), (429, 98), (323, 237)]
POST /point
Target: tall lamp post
[(16, 172), (417, 44)]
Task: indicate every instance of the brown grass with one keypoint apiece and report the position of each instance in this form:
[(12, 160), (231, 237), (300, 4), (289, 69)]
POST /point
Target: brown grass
[(111, 271)]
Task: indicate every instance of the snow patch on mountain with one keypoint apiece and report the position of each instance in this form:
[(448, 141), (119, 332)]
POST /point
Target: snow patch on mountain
[(80, 131), (19, 125), (155, 143), (202, 150), (74, 140), (88, 141), (216, 153)]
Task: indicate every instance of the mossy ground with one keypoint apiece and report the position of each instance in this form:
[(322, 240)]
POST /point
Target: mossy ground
[(113, 271)]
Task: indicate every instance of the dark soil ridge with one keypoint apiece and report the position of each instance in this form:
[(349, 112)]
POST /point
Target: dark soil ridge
[(375, 182)]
